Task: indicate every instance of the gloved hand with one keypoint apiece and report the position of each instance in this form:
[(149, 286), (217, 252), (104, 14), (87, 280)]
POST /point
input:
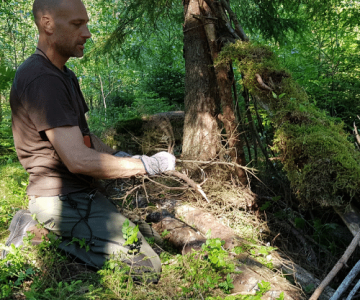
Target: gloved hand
[(158, 163)]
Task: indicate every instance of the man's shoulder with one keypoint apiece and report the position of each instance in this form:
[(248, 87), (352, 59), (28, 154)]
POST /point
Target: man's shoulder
[(34, 68), (36, 64)]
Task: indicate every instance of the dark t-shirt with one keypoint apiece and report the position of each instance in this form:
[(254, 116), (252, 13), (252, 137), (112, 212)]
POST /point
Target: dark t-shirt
[(43, 97)]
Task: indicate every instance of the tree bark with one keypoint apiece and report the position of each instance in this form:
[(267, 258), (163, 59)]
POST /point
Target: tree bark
[(201, 136), (201, 33)]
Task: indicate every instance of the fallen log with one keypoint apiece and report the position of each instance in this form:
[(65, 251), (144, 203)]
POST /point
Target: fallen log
[(252, 272), (181, 235), (204, 221)]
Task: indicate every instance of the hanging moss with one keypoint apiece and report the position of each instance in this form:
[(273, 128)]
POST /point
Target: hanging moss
[(321, 164)]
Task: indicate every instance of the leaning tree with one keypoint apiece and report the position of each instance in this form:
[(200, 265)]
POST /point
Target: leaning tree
[(320, 162)]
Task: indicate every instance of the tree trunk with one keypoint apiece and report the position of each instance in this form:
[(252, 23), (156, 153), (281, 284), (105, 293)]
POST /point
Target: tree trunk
[(201, 137), (225, 78), (208, 87)]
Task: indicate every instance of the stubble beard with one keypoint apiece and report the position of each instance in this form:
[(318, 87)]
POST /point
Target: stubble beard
[(67, 50)]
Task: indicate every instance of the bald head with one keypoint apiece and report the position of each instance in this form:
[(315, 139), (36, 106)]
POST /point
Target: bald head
[(41, 7)]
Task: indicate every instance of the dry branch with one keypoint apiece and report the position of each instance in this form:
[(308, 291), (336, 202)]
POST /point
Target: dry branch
[(188, 180), (357, 136), (174, 188), (238, 29), (337, 267), (249, 170)]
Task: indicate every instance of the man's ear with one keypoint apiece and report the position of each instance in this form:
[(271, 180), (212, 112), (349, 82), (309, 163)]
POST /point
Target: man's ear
[(47, 24)]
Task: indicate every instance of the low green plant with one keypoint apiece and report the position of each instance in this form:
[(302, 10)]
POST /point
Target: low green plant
[(227, 284), (206, 272), (217, 256), (130, 235), (114, 276), (82, 243), (164, 233), (261, 254)]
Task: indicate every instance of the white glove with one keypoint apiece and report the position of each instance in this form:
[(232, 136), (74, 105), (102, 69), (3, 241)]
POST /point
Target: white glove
[(158, 163)]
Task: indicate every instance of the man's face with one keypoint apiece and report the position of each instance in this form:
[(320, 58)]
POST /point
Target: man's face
[(70, 31)]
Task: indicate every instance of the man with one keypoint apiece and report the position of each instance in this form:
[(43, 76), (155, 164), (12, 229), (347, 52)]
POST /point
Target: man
[(53, 143)]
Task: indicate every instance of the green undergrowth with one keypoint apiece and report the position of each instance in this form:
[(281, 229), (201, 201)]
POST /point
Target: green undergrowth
[(14, 180), (43, 272), (321, 162)]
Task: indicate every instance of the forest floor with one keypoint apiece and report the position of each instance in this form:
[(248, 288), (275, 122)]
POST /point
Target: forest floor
[(276, 229)]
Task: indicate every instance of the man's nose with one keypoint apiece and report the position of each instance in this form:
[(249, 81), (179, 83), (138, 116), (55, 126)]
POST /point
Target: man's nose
[(86, 33)]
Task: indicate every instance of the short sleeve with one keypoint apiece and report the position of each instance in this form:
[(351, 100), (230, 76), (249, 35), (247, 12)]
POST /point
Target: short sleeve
[(48, 102)]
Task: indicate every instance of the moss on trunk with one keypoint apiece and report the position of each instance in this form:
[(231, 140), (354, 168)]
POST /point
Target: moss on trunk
[(321, 163)]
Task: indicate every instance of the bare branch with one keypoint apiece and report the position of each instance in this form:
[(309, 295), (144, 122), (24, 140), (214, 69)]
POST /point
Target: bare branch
[(238, 29), (188, 180), (356, 133), (220, 13)]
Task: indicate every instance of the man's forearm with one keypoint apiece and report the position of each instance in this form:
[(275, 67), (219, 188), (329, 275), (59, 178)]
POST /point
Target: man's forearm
[(78, 158), (106, 166)]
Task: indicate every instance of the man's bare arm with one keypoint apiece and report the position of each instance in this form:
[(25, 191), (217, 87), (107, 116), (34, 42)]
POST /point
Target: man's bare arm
[(78, 158)]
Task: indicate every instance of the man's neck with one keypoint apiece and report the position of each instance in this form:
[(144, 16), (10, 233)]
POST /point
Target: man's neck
[(49, 54)]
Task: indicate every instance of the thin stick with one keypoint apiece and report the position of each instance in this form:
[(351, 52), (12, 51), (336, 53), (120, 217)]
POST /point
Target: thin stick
[(249, 170), (144, 188), (129, 192), (356, 134), (191, 182), (337, 267), (167, 187)]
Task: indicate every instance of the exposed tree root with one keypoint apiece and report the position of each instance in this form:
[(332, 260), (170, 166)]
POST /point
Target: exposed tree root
[(252, 272), (262, 84), (206, 222), (181, 235)]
